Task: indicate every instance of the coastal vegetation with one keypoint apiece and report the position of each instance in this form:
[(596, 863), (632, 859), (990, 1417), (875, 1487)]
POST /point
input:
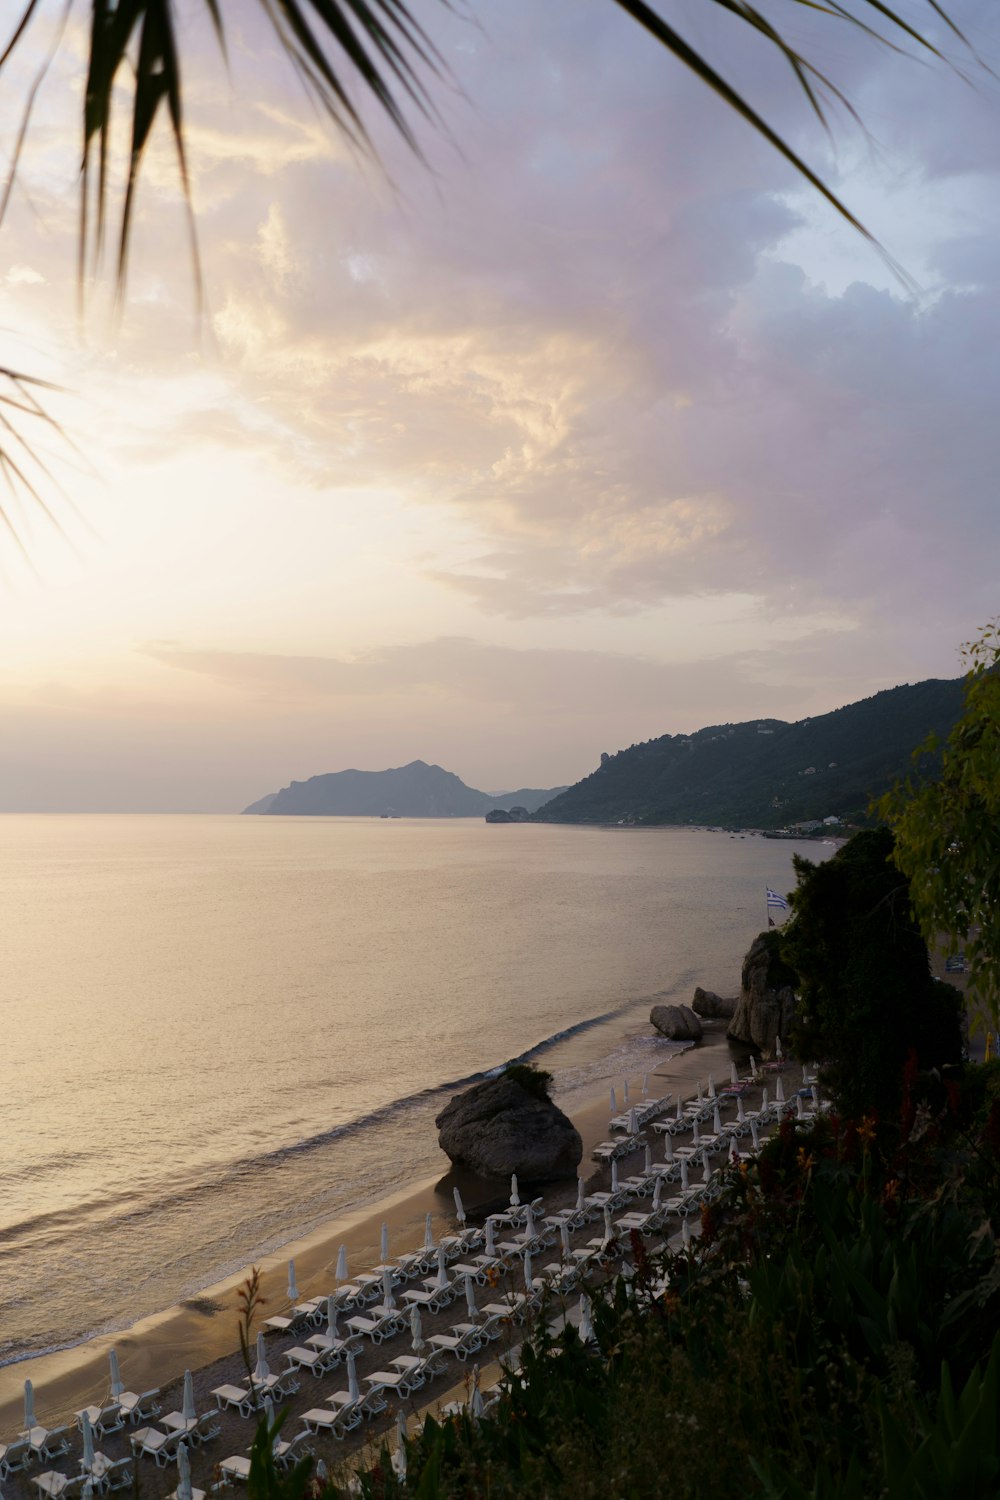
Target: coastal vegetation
[(766, 773)]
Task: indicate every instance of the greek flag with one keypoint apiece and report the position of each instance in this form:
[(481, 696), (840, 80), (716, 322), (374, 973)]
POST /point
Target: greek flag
[(773, 899)]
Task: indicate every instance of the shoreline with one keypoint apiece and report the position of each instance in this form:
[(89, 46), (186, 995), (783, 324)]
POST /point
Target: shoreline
[(200, 1333)]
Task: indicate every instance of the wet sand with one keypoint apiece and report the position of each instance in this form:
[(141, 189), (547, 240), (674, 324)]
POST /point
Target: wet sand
[(201, 1334)]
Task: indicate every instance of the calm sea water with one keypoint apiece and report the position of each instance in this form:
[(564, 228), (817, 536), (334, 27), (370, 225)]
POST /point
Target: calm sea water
[(220, 1031)]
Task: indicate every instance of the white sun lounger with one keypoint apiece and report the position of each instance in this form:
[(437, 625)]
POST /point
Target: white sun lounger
[(236, 1397), (461, 1344), (235, 1467), (15, 1455), (379, 1329), (56, 1486), (159, 1446), (140, 1408), (337, 1421)]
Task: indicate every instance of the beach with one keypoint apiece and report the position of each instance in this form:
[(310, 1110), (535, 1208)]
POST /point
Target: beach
[(201, 1335)]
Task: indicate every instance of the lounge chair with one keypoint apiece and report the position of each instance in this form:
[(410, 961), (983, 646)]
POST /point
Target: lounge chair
[(461, 1342), (51, 1442), (432, 1299), (235, 1467), (159, 1446), (338, 1419), (103, 1419), (205, 1428), (15, 1455), (56, 1486), (287, 1454), (316, 1361), (381, 1328), (117, 1476), (235, 1397), (401, 1382), (141, 1408)]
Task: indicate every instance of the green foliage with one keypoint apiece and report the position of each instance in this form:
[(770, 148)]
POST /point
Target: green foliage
[(534, 1081), (866, 992), (948, 830), (733, 775)]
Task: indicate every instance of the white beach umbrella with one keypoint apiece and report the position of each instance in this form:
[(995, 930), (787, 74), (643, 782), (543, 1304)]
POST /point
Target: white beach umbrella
[(753, 1066), (609, 1228), (342, 1263), (332, 1331), (384, 1243), (668, 1146), (429, 1242), (706, 1167), (489, 1243), (679, 1111), (564, 1237), (399, 1457), (741, 1114), (321, 1471), (734, 1151), (117, 1385), (261, 1368), (684, 1174), (657, 1190), (514, 1199), (529, 1224), (476, 1402), (293, 1290), (779, 1054), (647, 1158), (711, 1086), (614, 1101), (528, 1274), (388, 1296), (645, 1085), (686, 1231), (188, 1411), (580, 1195), (779, 1090), (459, 1207), (695, 1132), (716, 1119), (755, 1135), (183, 1490), (800, 1108), (701, 1092), (87, 1489), (353, 1388), (734, 1077), (625, 1094), (586, 1326), (417, 1340), (30, 1420), (763, 1097), (87, 1461), (470, 1298), (633, 1121), (441, 1284), (614, 1176), (269, 1412)]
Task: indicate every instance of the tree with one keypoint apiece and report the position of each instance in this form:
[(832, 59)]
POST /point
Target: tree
[(866, 991), (947, 830)]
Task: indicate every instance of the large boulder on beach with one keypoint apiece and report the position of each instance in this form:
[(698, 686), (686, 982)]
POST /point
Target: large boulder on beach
[(678, 1022), (712, 1007), (510, 1125), (767, 1003)]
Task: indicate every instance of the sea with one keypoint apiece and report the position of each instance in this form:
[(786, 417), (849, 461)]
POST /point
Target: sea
[(223, 1031)]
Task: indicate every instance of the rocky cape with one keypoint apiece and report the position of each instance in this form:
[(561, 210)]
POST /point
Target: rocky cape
[(767, 1002), (499, 1127), (416, 790)]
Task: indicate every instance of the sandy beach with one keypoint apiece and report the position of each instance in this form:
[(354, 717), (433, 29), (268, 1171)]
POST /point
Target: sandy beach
[(201, 1334)]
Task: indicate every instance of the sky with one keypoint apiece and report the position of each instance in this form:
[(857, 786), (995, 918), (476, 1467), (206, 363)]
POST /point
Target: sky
[(590, 423)]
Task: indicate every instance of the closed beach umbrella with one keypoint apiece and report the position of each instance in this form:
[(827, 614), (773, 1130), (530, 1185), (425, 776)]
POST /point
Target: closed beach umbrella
[(564, 1236), (269, 1412), (342, 1263), (686, 1232), (417, 1340), (679, 1111), (387, 1295), (489, 1244), (476, 1404), (183, 1491), (779, 1090), (684, 1174), (754, 1135), (514, 1199), (87, 1462), (116, 1376), (734, 1077), (384, 1243), (261, 1370), (321, 1471), (633, 1121), (753, 1066), (763, 1099), (716, 1120), (614, 1101), (647, 1159), (734, 1151), (625, 1094), (580, 1192), (695, 1132), (30, 1420), (645, 1085), (800, 1108), (293, 1290), (527, 1272), (459, 1207), (332, 1331), (353, 1388), (614, 1176), (187, 1405), (399, 1457), (706, 1167), (470, 1298), (586, 1326), (741, 1114), (657, 1190), (701, 1092), (779, 1054), (529, 1224), (815, 1096), (668, 1147), (442, 1276), (711, 1086), (609, 1228), (428, 1234), (87, 1491)]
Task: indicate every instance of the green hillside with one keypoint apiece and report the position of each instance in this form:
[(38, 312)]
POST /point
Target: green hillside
[(765, 773)]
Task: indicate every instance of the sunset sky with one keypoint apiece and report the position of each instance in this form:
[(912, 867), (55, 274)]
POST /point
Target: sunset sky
[(593, 426)]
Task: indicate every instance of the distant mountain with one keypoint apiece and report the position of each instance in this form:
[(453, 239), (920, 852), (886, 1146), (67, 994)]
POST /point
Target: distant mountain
[(414, 791), (766, 773)]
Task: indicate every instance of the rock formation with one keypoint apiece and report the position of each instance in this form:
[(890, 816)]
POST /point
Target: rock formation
[(713, 1007), (678, 1022), (767, 1001), (499, 1127)]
